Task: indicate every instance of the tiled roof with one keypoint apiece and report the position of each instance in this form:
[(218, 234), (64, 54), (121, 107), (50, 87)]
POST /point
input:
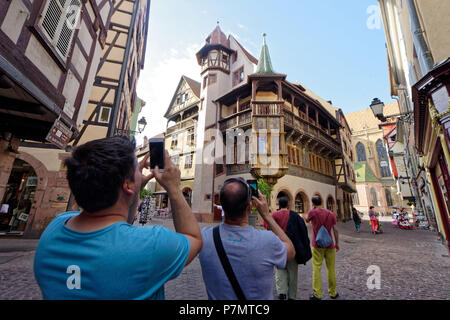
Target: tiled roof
[(364, 173), (328, 106), (194, 85), (248, 54), (364, 119), (218, 37)]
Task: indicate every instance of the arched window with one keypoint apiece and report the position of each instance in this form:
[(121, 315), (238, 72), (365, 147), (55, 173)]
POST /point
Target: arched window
[(373, 197), (299, 204), (383, 160), (388, 197), (360, 152)]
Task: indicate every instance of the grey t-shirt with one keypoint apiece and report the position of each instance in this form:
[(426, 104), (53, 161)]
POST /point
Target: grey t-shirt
[(252, 254)]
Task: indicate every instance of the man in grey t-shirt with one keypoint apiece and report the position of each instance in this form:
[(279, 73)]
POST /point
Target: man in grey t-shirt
[(252, 253)]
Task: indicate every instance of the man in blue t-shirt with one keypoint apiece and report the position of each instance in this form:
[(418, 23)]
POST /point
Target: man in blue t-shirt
[(97, 253), (252, 253)]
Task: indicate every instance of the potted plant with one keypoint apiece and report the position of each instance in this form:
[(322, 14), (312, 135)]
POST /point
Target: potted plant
[(265, 189)]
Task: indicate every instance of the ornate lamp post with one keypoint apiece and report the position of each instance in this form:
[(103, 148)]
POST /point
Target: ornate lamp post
[(142, 123), (377, 109)]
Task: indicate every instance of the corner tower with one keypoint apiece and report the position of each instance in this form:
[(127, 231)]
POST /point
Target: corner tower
[(214, 59)]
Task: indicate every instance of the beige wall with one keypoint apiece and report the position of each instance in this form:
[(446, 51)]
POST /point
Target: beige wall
[(435, 16), (293, 185)]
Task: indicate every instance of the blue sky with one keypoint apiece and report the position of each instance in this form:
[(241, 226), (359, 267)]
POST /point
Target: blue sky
[(327, 45)]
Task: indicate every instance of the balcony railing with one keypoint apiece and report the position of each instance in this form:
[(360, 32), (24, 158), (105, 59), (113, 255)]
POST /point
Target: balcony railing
[(238, 119), (267, 109), (181, 125), (310, 130)]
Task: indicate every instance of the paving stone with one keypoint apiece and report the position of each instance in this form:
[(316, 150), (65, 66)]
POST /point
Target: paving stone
[(411, 262)]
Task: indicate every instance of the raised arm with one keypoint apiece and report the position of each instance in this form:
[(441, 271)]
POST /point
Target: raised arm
[(183, 218), (263, 209)]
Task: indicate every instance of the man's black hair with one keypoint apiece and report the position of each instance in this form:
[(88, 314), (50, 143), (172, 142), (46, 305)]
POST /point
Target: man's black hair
[(371, 207), (234, 203), (283, 202), (316, 200), (97, 169)]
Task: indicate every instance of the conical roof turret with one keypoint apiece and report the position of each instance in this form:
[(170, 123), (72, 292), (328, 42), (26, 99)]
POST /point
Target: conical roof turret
[(264, 63)]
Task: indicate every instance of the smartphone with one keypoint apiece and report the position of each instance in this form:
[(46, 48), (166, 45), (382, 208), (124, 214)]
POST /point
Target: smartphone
[(253, 187), (157, 153)]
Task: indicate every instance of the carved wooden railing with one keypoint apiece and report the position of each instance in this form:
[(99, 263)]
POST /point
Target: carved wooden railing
[(311, 131), (180, 125), (238, 119), (267, 109)]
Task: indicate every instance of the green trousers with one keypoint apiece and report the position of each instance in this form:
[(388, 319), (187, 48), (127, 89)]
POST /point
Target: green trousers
[(286, 279), (318, 255)]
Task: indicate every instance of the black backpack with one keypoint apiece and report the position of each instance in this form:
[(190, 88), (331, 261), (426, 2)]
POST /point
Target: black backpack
[(298, 233)]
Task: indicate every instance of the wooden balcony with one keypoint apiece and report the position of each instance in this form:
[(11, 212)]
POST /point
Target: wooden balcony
[(180, 125), (236, 120), (310, 131), (267, 109)]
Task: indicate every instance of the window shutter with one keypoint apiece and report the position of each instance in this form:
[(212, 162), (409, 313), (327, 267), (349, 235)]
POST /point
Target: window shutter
[(59, 23), (52, 17), (64, 40)]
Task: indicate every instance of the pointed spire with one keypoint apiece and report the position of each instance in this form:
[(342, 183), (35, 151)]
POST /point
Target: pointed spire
[(264, 63)]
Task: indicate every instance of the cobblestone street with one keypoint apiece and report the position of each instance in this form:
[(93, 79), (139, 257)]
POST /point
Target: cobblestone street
[(413, 264)]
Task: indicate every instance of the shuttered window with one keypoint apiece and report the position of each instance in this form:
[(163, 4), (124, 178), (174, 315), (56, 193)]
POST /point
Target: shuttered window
[(59, 21)]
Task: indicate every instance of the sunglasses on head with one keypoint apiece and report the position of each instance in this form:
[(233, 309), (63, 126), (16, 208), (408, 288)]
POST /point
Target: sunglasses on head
[(239, 179)]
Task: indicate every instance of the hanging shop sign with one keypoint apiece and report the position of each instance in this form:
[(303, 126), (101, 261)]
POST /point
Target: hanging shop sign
[(59, 134)]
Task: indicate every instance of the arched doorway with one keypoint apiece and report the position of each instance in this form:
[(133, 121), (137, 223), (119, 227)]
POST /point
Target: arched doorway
[(284, 193), (19, 195), (301, 203)]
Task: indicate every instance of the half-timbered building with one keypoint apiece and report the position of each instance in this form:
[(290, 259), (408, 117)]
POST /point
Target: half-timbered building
[(91, 71), (113, 98), (253, 123), (180, 135), (49, 53), (345, 174)]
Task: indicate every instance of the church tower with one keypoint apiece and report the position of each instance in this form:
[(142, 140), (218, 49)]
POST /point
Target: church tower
[(214, 59)]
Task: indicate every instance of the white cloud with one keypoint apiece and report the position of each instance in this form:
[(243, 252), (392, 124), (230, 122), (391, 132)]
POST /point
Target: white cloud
[(157, 84), (241, 26)]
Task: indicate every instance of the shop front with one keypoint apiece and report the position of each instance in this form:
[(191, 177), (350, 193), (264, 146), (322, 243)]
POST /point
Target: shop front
[(432, 131), (18, 197)]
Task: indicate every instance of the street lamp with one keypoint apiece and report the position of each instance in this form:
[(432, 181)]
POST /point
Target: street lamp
[(141, 124), (377, 109)]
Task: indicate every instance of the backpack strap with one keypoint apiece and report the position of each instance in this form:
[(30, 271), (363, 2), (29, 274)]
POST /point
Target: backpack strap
[(226, 264)]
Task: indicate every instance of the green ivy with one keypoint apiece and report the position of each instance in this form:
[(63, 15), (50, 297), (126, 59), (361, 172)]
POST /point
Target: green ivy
[(265, 188)]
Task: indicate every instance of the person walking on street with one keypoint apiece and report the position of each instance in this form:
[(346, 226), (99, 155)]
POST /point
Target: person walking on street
[(286, 279), (319, 217), (143, 210), (373, 220), (356, 219), (238, 261), (97, 253)]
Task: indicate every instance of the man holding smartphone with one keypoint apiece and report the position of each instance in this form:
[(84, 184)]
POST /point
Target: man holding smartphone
[(97, 253), (252, 253)]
